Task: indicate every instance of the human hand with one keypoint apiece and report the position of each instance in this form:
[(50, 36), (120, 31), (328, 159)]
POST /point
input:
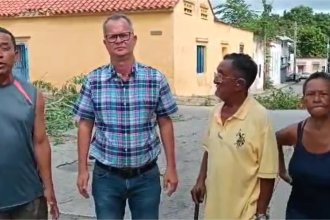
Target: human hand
[(82, 183), (52, 203), (286, 177), (170, 181), (198, 192)]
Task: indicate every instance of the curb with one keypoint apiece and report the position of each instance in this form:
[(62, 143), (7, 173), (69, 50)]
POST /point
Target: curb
[(267, 92), (200, 100)]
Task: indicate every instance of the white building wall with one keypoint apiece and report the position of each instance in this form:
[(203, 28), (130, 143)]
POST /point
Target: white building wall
[(275, 63), (292, 69), (258, 57)]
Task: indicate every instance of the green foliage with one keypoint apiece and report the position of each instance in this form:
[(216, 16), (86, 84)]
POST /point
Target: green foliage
[(269, 83), (311, 42), (281, 100), (301, 14), (313, 28), (235, 12), (239, 14), (59, 105)]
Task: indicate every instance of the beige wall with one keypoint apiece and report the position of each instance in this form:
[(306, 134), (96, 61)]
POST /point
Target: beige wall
[(311, 65), (62, 47), (192, 30)]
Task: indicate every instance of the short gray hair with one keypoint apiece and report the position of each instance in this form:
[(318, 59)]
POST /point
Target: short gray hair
[(116, 17)]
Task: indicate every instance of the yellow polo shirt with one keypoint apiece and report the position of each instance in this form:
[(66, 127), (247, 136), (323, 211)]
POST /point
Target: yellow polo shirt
[(240, 151)]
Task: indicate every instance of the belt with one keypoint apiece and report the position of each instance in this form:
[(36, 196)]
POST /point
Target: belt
[(128, 173)]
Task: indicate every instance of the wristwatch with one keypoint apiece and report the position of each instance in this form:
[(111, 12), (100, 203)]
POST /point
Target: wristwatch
[(261, 216)]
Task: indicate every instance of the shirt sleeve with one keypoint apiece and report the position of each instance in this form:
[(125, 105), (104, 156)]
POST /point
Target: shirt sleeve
[(166, 103), (268, 153), (206, 141), (83, 108)]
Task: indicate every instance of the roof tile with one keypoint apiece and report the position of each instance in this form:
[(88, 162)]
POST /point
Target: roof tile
[(14, 8)]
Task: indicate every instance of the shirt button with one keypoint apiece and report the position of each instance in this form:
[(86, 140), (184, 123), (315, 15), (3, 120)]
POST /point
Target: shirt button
[(125, 103), (125, 149)]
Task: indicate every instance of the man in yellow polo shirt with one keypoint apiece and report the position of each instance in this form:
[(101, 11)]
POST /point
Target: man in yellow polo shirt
[(240, 163)]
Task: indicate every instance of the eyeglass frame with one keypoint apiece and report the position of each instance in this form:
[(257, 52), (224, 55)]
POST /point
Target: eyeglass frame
[(221, 77), (130, 33)]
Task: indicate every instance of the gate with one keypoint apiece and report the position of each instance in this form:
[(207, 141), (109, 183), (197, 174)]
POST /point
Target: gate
[(21, 67)]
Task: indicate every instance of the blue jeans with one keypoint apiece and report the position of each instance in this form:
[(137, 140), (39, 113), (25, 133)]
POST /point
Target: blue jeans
[(111, 191)]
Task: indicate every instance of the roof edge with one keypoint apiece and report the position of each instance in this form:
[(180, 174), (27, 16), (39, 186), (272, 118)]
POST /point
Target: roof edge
[(37, 14)]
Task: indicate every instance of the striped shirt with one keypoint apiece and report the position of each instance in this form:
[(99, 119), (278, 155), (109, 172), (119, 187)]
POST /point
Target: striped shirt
[(125, 114)]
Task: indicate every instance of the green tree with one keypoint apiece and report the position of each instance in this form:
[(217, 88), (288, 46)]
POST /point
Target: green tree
[(267, 22), (238, 13), (235, 12), (311, 42), (322, 20), (301, 14)]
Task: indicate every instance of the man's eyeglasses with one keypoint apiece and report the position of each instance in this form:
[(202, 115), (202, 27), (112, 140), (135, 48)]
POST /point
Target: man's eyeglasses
[(218, 77), (112, 38)]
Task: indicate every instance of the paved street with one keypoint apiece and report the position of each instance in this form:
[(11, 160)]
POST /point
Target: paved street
[(189, 133), (296, 87)]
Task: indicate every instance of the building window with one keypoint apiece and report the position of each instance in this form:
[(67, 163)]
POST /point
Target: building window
[(316, 67), (301, 68), (21, 67), (188, 8), (201, 59), (241, 48), (204, 13)]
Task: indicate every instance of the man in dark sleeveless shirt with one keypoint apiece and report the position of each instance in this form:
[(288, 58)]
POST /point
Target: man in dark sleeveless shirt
[(26, 184)]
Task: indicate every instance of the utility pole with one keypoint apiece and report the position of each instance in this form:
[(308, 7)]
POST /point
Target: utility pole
[(295, 51), (327, 62)]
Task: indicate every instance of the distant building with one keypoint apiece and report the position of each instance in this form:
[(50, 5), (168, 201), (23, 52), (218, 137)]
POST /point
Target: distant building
[(259, 58), (275, 62), (311, 65), (59, 39), (287, 50)]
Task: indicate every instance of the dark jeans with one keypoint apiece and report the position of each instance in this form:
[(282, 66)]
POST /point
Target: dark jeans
[(35, 210), (111, 192)]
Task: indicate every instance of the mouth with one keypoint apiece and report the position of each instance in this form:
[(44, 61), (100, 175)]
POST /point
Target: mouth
[(318, 107), (2, 65), (120, 48)]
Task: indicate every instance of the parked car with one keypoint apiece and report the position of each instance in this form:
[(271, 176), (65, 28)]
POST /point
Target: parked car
[(291, 77), (305, 75)]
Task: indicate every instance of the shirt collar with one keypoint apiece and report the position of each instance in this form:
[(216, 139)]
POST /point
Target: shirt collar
[(241, 112), (133, 73)]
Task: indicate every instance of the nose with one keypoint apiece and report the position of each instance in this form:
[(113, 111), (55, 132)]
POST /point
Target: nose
[(118, 40), (317, 98), (217, 81)]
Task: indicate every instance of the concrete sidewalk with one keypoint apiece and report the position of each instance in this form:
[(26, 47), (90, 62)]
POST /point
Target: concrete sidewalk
[(189, 133)]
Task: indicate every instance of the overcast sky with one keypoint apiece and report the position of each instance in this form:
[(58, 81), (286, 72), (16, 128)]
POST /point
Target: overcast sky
[(281, 5)]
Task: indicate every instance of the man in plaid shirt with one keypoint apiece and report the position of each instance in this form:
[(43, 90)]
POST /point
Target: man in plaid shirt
[(125, 100)]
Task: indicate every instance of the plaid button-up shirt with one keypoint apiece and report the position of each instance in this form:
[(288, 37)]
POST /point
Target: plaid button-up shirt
[(125, 114)]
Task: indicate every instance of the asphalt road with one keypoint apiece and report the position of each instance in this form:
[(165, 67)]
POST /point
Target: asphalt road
[(189, 132), (296, 87)]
